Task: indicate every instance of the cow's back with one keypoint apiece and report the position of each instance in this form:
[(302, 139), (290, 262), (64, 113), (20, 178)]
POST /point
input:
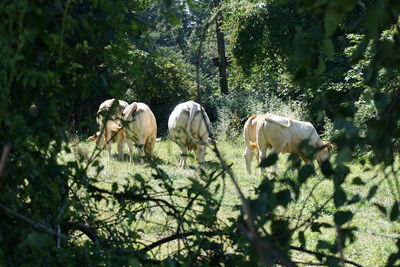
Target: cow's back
[(287, 139), (187, 118), (143, 122), (250, 128)]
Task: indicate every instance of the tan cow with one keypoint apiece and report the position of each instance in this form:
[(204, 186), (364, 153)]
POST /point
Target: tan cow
[(283, 135), (108, 120), (141, 129), (188, 126), (250, 139)]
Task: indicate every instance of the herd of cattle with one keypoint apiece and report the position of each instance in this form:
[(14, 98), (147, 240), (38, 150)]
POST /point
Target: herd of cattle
[(189, 126)]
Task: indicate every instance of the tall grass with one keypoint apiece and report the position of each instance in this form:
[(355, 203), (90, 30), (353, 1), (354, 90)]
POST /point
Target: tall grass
[(375, 235)]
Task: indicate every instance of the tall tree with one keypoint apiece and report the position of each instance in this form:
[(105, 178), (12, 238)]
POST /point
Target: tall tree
[(223, 83)]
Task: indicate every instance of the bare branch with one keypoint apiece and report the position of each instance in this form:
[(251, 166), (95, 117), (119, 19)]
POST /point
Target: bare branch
[(261, 245), (4, 157), (175, 237), (131, 196), (32, 222), (323, 255)]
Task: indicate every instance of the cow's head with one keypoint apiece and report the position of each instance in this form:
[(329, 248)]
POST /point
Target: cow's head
[(323, 154), (129, 111), (192, 146), (94, 137)]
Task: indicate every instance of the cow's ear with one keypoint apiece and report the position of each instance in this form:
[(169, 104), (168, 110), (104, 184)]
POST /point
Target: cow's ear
[(129, 110)]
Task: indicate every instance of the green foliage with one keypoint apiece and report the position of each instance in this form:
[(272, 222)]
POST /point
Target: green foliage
[(329, 62), (230, 119), (149, 79)]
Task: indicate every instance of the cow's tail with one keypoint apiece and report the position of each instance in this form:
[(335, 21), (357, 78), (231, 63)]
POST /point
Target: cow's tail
[(192, 112), (267, 118), (246, 129)]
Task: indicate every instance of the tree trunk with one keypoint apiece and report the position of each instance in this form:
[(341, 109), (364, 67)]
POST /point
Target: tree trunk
[(223, 83)]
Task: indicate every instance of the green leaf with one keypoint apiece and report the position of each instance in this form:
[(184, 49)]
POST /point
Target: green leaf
[(284, 197), (322, 244), (332, 18), (354, 199), (343, 155), (315, 227), (341, 217), (305, 172), (114, 187), (394, 212), (341, 172), (328, 48), (302, 239), (392, 259), (134, 262), (326, 168), (372, 192), (357, 181), (339, 197), (381, 208), (269, 160)]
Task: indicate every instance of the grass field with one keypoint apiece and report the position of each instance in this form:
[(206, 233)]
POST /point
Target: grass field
[(375, 235)]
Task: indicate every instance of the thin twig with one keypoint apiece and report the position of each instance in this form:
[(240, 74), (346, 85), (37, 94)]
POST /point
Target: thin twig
[(32, 222), (323, 255), (174, 237), (260, 245), (4, 157)]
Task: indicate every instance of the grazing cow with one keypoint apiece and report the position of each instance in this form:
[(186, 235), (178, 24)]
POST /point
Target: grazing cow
[(108, 120), (141, 129), (250, 139), (284, 135), (188, 126)]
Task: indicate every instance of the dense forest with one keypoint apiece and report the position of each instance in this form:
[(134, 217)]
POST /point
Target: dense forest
[(333, 63)]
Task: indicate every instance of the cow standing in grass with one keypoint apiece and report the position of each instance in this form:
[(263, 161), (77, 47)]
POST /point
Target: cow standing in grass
[(108, 120), (188, 126), (283, 135), (250, 139), (140, 129)]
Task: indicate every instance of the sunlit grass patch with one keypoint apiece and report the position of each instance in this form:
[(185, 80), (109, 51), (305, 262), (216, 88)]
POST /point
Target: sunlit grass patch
[(374, 231)]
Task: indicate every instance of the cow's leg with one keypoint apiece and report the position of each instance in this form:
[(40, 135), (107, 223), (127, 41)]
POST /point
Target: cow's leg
[(201, 153), (120, 143), (276, 151), (108, 144), (258, 157), (141, 145), (262, 147), (182, 156), (149, 147), (120, 151), (262, 152), (248, 156), (130, 146)]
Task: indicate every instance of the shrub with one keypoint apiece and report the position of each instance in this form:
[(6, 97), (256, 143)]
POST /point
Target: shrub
[(231, 111)]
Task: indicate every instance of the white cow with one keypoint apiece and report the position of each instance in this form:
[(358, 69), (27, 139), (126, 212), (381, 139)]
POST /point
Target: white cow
[(284, 135), (141, 129), (189, 127), (250, 139), (108, 120)]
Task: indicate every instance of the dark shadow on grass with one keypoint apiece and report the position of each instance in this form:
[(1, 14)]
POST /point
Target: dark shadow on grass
[(136, 159)]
